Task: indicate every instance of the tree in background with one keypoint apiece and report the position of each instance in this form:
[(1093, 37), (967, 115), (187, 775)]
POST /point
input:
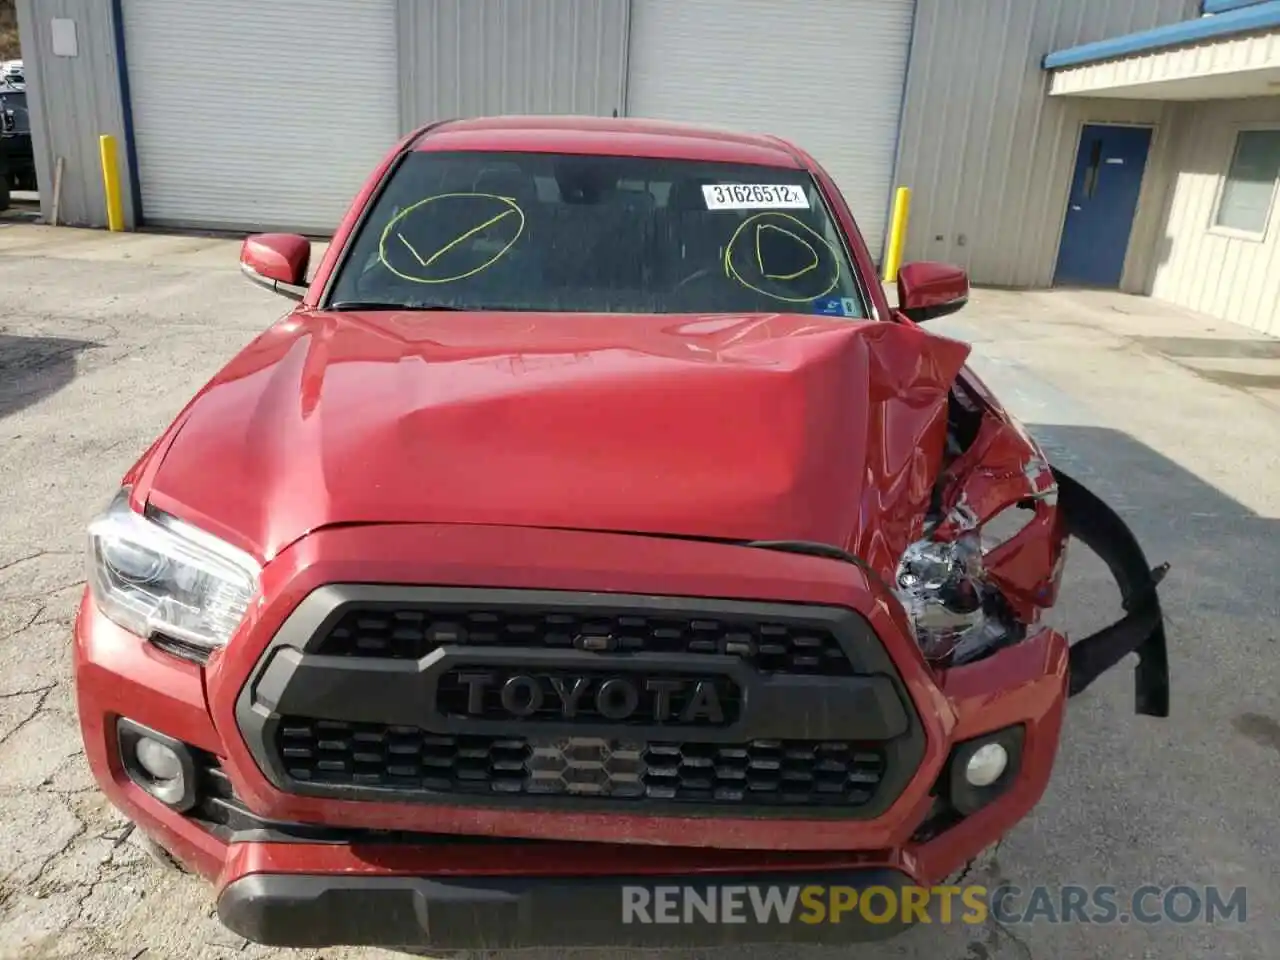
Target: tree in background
[(10, 48)]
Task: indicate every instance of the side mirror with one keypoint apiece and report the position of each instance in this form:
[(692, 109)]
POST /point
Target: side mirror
[(277, 261), (928, 289)]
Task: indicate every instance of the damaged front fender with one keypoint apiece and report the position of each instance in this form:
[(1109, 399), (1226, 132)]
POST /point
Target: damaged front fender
[(997, 472), (1141, 630)]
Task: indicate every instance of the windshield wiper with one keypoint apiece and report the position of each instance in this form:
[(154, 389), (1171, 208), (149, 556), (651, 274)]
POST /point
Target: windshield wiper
[(388, 305)]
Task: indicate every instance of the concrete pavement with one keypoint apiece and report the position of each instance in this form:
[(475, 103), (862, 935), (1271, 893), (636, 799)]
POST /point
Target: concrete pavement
[(104, 338)]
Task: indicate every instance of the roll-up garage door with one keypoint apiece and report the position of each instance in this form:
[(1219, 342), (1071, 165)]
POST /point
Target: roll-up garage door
[(828, 74), (253, 115)]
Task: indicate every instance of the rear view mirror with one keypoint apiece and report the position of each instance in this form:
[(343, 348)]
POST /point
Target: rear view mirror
[(928, 289), (277, 261)]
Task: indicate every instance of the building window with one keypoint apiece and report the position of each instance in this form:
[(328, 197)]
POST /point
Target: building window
[(1250, 188)]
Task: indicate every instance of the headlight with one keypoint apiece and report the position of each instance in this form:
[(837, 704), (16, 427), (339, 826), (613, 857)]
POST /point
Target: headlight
[(954, 613), (158, 575)]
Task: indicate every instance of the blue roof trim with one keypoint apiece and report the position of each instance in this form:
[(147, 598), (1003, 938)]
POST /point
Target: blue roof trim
[(1223, 6), (1259, 16)]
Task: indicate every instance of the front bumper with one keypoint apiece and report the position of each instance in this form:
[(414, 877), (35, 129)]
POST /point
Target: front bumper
[(120, 675), (614, 911), (395, 855)]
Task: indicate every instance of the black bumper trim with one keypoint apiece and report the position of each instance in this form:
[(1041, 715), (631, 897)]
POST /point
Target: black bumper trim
[(1141, 630), (289, 910)]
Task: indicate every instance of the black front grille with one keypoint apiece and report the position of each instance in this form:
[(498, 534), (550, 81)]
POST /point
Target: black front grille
[(414, 632), (548, 699), (410, 761)]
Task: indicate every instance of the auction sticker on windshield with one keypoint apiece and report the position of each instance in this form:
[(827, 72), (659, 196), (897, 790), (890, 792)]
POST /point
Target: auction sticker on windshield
[(755, 196)]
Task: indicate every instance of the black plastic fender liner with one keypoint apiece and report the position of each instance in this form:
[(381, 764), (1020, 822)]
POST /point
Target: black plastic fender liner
[(1141, 630)]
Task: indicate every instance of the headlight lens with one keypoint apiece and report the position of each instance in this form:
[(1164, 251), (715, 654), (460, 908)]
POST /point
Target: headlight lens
[(156, 574), (942, 586)]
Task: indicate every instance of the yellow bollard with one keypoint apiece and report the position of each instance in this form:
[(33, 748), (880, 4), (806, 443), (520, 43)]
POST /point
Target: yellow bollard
[(111, 182), (897, 234)]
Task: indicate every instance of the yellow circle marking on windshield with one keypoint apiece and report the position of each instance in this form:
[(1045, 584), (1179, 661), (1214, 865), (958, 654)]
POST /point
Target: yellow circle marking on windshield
[(813, 264), (426, 261), (732, 271)]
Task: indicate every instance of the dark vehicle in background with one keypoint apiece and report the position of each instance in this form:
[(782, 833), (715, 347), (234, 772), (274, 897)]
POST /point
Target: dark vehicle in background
[(17, 160)]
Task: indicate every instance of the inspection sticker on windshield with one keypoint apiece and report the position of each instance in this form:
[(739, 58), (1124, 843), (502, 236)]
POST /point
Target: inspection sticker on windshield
[(755, 196), (836, 306)]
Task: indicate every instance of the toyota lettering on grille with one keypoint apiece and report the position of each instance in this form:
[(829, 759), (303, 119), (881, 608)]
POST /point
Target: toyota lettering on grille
[(612, 698)]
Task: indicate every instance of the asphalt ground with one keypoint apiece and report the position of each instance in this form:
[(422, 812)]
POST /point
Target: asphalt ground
[(1173, 419)]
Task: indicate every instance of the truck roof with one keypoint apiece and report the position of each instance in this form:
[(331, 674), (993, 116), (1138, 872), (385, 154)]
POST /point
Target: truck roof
[(610, 136)]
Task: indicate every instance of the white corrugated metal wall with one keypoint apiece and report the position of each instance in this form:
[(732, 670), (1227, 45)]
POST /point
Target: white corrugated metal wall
[(466, 58), (1201, 269), (826, 74), (297, 132), (250, 114), (988, 155)]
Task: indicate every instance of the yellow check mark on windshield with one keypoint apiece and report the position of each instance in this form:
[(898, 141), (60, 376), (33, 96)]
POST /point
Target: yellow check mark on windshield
[(452, 243)]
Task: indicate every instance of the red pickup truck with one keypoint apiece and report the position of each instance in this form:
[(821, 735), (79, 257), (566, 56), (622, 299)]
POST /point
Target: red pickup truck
[(591, 524)]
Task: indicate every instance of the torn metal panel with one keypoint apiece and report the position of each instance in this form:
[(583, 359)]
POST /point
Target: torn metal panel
[(1001, 471)]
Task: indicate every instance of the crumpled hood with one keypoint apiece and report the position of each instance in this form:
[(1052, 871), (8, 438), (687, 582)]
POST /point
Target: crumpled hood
[(757, 427)]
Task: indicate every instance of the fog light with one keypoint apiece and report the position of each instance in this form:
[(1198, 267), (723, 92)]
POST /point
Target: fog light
[(986, 765), (980, 770), (160, 765), (160, 761)]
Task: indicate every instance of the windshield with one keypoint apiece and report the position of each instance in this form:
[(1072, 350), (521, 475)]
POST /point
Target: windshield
[(550, 232)]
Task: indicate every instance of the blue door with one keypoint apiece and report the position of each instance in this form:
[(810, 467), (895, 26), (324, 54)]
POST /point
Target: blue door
[(1104, 198)]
